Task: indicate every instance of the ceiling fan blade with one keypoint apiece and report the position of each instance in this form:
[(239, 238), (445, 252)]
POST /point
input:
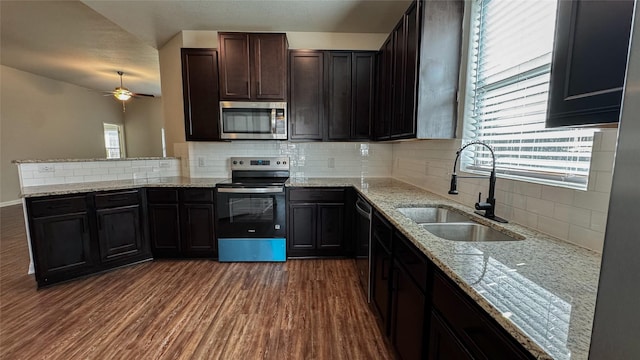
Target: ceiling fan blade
[(147, 95)]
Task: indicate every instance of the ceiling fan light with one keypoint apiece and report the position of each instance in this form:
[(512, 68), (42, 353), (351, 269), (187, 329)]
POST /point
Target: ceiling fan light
[(122, 94)]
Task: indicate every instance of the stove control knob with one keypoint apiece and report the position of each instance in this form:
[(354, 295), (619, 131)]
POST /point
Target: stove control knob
[(278, 163), (284, 163), (241, 162), (235, 162)]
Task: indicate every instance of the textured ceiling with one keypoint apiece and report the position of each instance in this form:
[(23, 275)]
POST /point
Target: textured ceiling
[(86, 42)]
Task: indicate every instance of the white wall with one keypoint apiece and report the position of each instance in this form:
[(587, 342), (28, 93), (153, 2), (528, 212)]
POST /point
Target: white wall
[(575, 216), (41, 118), (143, 121)]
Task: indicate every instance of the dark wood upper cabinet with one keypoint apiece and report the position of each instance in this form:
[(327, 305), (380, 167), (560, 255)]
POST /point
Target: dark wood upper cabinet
[(589, 62), (338, 80), (350, 94), (253, 66), (201, 95), (332, 95), (306, 98), (418, 73)]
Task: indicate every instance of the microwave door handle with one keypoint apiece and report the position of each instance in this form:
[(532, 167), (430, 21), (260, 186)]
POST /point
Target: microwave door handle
[(273, 120)]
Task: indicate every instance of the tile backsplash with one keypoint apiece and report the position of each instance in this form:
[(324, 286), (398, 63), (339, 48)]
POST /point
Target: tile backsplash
[(68, 172), (575, 216), (308, 159)]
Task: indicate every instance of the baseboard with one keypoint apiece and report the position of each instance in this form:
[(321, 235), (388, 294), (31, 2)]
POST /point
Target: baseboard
[(9, 203)]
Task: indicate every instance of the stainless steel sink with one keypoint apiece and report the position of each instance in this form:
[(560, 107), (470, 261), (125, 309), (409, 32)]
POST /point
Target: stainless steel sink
[(467, 232), (432, 214)]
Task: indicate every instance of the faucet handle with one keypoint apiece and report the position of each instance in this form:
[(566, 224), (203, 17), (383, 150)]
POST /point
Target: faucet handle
[(479, 197)]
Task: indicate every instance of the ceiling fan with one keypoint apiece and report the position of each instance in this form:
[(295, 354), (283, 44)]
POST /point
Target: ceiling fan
[(123, 94)]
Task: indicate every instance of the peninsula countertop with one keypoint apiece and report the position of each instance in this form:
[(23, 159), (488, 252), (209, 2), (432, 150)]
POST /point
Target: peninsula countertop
[(540, 289)]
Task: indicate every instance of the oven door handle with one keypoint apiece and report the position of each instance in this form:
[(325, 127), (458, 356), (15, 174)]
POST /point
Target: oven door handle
[(258, 190)]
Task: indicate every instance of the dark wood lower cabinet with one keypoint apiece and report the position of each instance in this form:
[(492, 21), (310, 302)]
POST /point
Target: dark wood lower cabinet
[(317, 223), (443, 344), (164, 229), (408, 308), (199, 235), (62, 247), (380, 281), (86, 233), (181, 222), (119, 232)]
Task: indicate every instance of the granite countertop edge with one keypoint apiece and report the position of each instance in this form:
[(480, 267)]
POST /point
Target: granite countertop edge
[(385, 195)]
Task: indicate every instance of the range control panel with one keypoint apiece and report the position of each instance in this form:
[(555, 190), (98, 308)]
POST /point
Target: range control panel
[(263, 163)]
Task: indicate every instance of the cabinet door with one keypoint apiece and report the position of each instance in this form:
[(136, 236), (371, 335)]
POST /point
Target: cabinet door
[(331, 228), (234, 66), (363, 92), (397, 101), (119, 233), (408, 308), (62, 247), (201, 95), (382, 127), (338, 80), (406, 127), (302, 225), (443, 344), (306, 98), (164, 230), (381, 262), (589, 62), (198, 228), (269, 68)]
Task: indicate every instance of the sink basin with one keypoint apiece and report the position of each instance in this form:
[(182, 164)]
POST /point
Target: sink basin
[(467, 232), (432, 214)]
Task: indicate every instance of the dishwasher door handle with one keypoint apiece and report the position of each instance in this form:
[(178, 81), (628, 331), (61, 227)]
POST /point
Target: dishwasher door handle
[(361, 211)]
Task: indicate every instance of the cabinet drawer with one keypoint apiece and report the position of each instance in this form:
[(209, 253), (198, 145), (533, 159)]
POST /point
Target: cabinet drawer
[(162, 196), (473, 327), (58, 206), (317, 195), (381, 230), (116, 199), (197, 195), (415, 264)]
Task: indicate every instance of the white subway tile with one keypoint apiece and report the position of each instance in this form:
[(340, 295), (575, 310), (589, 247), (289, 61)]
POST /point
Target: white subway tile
[(591, 200), (553, 227), (29, 167), (27, 174), (598, 221), (587, 238), (71, 165), (107, 164), (527, 189), (571, 214), (116, 170), (99, 171), (124, 164), (539, 206), (603, 182), (602, 161), (558, 194), (32, 182), (62, 173), (73, 179), (54, 180), (89, 164), (525, 218)]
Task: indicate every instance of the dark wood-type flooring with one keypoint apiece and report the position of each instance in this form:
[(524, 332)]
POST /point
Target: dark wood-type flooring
[(189, 309)]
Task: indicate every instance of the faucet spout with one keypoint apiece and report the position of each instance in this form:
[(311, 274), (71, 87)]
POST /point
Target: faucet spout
[(489, 205)]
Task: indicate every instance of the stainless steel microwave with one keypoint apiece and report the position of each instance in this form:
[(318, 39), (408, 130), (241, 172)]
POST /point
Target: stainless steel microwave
[(253, 120)]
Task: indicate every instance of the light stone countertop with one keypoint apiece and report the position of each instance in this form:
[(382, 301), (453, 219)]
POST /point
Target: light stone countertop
[(540, 289)]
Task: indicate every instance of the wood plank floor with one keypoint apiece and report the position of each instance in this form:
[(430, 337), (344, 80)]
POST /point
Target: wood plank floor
[(190, 309)]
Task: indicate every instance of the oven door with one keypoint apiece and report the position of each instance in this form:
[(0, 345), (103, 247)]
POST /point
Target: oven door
[(251, 212)]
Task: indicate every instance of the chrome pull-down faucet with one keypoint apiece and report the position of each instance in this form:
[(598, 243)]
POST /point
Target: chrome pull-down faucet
[(489, 206)]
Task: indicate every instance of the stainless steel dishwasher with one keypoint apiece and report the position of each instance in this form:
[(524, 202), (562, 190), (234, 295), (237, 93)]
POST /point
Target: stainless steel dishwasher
[(363, 247)]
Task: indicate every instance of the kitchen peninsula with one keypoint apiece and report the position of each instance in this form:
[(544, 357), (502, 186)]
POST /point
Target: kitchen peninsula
[(539, 291)]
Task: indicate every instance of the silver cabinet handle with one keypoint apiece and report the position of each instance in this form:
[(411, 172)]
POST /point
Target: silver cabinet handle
[(261, 190)]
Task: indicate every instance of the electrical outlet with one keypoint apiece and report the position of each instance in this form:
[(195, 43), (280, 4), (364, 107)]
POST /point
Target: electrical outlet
[(200, 161), (46, 168), (164, 164), (331, 163)]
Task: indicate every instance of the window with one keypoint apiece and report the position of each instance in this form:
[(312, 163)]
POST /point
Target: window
[(114, 141), (506, 97)]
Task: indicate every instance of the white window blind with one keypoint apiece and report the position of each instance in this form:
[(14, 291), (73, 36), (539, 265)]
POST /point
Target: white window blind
[(506, 100)]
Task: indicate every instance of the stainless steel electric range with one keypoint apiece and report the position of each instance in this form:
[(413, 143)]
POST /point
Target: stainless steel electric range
[(251, 210)]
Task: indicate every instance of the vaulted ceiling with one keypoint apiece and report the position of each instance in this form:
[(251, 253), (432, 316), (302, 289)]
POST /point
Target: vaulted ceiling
[(87, 42)]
